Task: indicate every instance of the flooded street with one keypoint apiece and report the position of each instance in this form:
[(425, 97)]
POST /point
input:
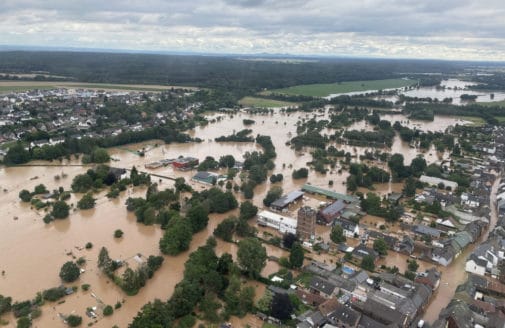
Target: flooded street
[(32, 252)]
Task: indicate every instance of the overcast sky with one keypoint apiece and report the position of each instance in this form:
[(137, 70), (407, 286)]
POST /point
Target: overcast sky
[(447, 29)]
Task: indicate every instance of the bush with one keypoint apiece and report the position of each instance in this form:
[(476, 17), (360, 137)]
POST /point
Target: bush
[(89, 245), (86, 202), (74, 320), (25, 196), (53, 294), (24, 322), (85, 287), (108, 310), (118, 233)]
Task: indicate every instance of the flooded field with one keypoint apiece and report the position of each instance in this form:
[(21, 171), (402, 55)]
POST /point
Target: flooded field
[(32, 252)]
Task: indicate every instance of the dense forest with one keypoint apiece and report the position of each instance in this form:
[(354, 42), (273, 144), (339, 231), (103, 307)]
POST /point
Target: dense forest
[(211, 71)]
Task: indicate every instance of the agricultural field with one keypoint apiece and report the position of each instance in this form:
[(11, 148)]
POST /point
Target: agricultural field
[(493, 103), (325, 89), (263, 102), (15, 86)]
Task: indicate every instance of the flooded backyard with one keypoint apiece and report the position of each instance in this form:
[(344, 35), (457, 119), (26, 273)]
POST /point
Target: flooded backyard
[(32, 252)]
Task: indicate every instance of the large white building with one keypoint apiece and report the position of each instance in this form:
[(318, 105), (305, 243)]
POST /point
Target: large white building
[(282, 223), (432, 181)]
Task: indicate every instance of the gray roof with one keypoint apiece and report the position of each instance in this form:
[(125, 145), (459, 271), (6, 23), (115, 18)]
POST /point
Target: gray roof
[(344, 314), (346, 224), (333, 209), (425, 230), (287, 199), (367, 322), (322, 285)]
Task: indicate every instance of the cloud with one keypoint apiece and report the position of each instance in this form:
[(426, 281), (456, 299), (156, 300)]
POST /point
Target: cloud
[(448, 29)]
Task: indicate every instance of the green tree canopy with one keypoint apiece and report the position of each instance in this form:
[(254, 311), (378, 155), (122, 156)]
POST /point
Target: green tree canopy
[(69, 272), (251, 256), (296, 255)]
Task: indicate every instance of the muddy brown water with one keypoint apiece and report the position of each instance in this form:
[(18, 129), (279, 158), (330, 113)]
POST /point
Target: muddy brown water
[(33, 252)]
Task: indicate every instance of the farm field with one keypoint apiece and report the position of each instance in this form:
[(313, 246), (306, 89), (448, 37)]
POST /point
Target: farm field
[(326, 89), (7, 86), (262, 102)]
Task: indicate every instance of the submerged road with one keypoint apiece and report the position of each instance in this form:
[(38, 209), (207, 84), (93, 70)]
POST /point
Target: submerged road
[(455, 273)]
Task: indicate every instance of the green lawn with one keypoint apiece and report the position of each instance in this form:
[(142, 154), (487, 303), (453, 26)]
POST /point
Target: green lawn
[(476, 121), (500, 119), (492, 103), (262, 102), (322, 90)]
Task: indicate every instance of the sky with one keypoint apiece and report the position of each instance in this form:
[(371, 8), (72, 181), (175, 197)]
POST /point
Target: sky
[(442, 29)]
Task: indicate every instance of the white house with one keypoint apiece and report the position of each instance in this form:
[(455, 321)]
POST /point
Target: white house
[(476, 265)]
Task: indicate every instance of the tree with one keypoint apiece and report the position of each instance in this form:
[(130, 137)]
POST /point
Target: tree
[(17, 154), (247, 210), (60, 210), (296, 256), (24, 322), (177, 236), (74, 320), (25, 196), (82, 183), (337, 234), (5, 304), (409, 189), (368, 263), (40, 189), (108, 310), (86, 202), (251, 256), (69, 272), (418, 165), (289, 239), (227, 161), (397, 167), (301, 173), (198, 218), (413, 265), (226, 228), (265, 302), (273, 194), (281, 307), (380, 246)]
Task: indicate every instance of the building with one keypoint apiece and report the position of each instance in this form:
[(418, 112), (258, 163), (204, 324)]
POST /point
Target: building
[(350, 228), (327, 215), (426, 231), (273, 220), (185, 163), (306, 223), (432, 181), (476, 265), (286, 200), (207, 177), (329, 194), (430, 277)]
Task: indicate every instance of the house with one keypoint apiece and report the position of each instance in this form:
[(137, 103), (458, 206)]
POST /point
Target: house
[(286, 200), (406, 246), (185, 163), (311, 319), (443, 256), (350, 228), (282, 223), (321, 286), (362, 251), (327, 215), (430, 277), (426, 231), (476, 265), (344, 316)]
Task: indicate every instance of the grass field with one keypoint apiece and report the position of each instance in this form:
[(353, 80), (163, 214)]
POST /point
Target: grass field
[(322, 90), (493, 103), (500, 119), (12, 86), (476, 121), (262, 102)]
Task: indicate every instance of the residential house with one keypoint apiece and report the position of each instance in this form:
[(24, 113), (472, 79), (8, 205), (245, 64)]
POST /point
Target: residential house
[(350, 229), (430, 277), (321, 286), (476, 265), (327, 215), (406, 246)]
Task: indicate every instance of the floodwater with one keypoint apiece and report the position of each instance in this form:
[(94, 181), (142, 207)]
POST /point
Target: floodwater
[(33, 252), (454, 89)]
